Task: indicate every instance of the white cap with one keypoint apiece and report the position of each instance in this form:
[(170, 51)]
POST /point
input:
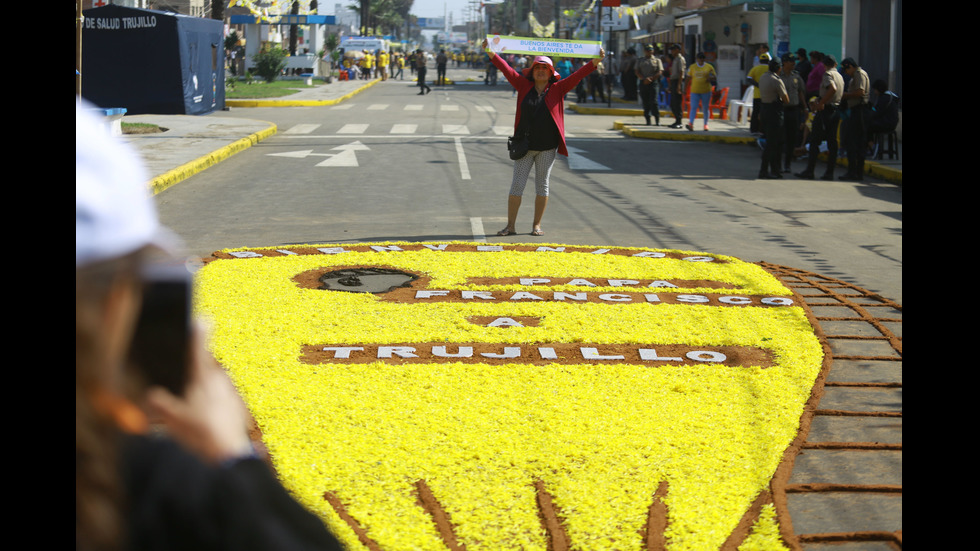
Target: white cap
[(114, 213)]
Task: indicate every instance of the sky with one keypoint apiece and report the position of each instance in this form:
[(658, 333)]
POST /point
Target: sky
[(438, 8), (425, 8)]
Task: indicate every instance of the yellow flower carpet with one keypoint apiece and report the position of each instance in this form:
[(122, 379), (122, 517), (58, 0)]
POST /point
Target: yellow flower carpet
[(518, 396)]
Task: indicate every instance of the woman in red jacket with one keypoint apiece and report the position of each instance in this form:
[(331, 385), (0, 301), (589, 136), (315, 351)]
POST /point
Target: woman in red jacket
[(541, 110)]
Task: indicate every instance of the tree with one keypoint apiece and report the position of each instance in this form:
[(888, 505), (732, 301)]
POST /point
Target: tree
[(383, 16), (293, 29), (218, 10)]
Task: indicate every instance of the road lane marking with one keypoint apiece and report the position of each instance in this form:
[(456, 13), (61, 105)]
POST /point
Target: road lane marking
[(302, 129), (404, 128), (345, 157), (578, 162), (476, 228), (464, 169), (353, 129)]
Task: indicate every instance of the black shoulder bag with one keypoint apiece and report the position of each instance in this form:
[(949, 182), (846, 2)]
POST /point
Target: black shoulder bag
[(520, 142)]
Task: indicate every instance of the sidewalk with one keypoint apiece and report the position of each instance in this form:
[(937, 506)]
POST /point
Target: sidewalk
[(192, 143)]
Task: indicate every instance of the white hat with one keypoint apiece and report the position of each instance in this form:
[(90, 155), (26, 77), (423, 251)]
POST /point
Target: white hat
[(114, 213)]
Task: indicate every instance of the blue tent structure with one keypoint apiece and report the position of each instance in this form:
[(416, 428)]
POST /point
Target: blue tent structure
[(152, 62)]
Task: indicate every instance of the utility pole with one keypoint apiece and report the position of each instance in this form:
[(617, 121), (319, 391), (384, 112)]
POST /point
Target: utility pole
[(780, 27), (78, 48), (557, 18)]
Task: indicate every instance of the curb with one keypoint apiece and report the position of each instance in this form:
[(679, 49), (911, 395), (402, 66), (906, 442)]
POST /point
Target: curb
[(871, 168), (585, 110), (187, 170), (679, 135), (883, 172), (297, 103)]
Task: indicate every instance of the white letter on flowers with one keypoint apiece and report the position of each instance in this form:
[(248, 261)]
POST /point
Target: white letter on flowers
[(504, 322), (464, 352), (400, 351), (706, 356), (342, 351), (593, 354)]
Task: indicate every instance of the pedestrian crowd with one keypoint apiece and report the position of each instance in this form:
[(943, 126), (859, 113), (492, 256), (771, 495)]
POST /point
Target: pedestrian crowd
[(803, 103), (808, 103)]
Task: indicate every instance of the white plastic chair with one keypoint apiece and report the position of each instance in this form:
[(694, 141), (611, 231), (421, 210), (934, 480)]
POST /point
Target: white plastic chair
[(739, 111)]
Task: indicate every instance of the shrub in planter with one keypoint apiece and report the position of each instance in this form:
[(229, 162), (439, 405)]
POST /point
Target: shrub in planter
[(270, 62)]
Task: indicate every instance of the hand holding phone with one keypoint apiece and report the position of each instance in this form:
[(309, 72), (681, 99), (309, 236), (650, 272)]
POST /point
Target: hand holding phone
[(160, 349), (210, 417)]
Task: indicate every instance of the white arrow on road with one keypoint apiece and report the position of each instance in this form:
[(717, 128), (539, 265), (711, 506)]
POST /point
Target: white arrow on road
[(345, 157), (578, 162)]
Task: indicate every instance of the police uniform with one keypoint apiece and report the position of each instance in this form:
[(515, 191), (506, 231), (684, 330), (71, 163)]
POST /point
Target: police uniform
[(825, 122), (771, 94), (650, 67), (792, 113), (678, 70), (855, 129)]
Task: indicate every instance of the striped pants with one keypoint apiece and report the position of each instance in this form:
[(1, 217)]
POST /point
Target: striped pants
[(542, 161)]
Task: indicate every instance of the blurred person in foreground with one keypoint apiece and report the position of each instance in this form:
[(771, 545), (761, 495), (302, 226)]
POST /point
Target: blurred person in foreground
[(196, 482)]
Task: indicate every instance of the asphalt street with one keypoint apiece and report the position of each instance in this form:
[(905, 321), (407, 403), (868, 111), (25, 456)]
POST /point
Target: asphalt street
[(387, 164)]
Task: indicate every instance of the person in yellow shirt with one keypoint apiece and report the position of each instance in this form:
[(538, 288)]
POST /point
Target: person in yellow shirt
[(700, 80), (383, 64), (755, 73), (367, 65)]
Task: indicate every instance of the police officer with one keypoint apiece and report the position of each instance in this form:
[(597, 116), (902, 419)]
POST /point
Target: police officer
[(648, 72), (772, 98), (825, 120), (678, 71), (793, 111), (420, 67), (857, 98)]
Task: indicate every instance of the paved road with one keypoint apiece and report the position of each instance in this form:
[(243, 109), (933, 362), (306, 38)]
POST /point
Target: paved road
[(391, 165)]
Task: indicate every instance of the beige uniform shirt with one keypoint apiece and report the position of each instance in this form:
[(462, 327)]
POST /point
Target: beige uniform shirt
[(771, 88), (678, 67), (649, 66), (859, 81), (794, 84), (832, 76)]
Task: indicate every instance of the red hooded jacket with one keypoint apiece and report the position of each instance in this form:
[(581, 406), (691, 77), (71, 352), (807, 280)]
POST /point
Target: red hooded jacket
[(555, 98)]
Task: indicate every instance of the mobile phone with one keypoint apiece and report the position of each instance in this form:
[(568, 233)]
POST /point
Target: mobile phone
[(161, 346)]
